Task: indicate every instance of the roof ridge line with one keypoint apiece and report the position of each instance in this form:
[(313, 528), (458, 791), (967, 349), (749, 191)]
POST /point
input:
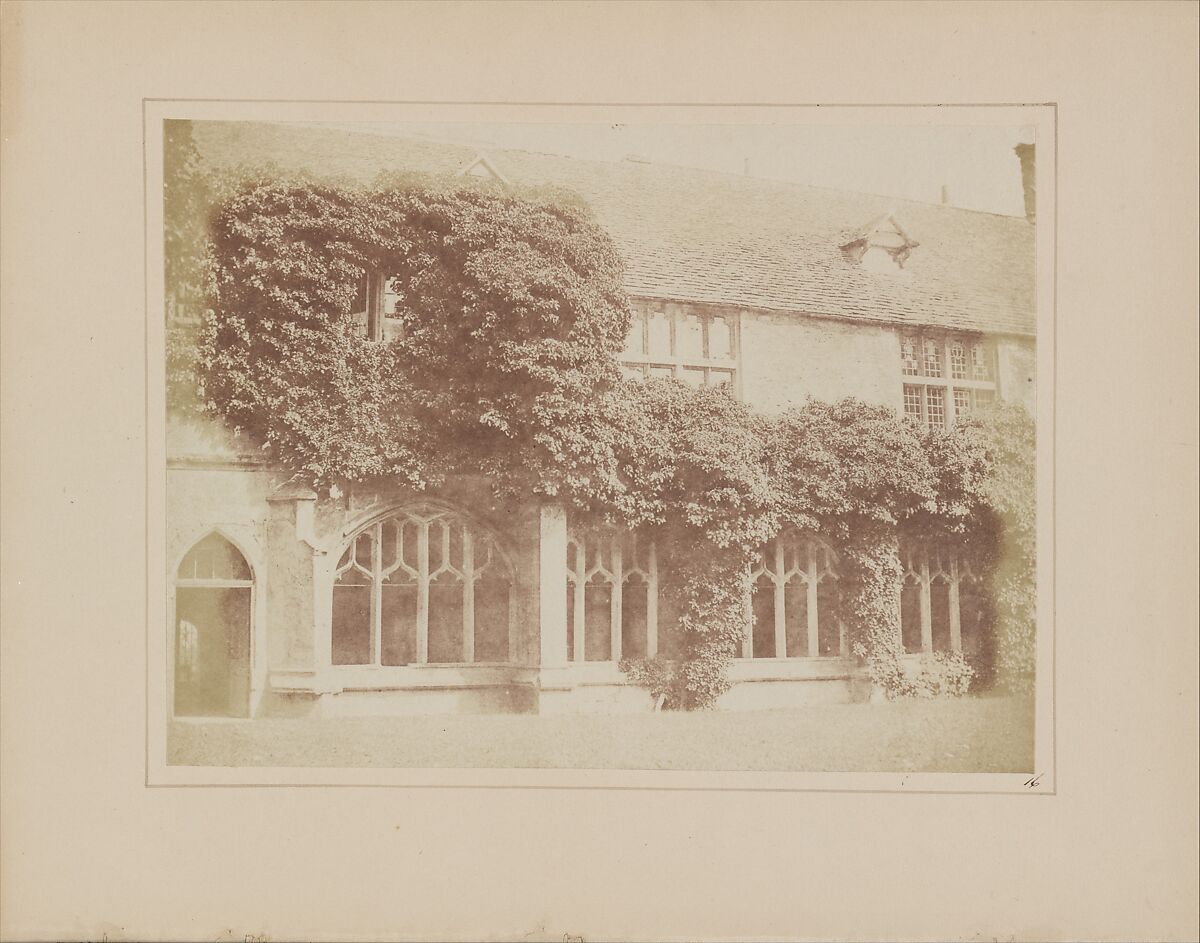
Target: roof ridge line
[(493, 151)]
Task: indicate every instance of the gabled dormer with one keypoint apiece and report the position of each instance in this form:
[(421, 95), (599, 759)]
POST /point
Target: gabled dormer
[(881, 246), (484, 169)]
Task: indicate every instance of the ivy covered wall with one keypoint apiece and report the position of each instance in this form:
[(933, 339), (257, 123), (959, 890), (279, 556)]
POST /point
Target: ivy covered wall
[(513, 317)]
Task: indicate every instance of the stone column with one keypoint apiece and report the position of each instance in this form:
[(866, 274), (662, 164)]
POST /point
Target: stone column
[(814, 614), (291, 612), (780, 588), (548, 622), (552, 587)]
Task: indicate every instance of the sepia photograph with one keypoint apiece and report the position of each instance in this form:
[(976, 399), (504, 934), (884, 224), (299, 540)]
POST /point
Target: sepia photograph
[(658, 470), (626, 445)]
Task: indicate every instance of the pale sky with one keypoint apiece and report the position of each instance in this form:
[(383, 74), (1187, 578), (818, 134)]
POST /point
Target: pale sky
[(913, 162)]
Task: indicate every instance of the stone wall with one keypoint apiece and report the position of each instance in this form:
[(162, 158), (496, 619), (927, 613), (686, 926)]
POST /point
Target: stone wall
[(787, 358), (230, 500), (292, 538), (1017, 368)]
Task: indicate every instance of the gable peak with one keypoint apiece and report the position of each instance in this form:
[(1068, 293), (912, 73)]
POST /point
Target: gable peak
[(482, 167), (883, 245)]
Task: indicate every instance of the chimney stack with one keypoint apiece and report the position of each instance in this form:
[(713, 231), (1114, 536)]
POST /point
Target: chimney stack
[(1024, 153), (945, 195)]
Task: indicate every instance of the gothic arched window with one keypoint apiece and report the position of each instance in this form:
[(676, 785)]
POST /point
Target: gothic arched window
[(612, 596), (795, 602), (421, 586), (939, 586)]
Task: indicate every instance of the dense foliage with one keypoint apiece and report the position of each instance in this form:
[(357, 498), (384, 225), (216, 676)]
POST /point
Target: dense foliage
[(513, 317), (1008, 495), (511, 312)]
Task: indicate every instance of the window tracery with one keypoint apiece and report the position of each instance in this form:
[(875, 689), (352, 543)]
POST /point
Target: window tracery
[(421, 586)]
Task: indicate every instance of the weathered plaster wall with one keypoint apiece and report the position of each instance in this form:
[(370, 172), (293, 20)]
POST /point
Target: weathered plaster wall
[(292, 606), (788, 357), (1017, 368), (200, 440), (230, 499), (212, 482)]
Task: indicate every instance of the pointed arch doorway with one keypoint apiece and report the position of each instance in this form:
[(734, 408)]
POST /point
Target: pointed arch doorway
[(214, 590)]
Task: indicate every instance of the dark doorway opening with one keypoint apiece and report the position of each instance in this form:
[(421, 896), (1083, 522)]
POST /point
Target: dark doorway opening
[(212, 651)]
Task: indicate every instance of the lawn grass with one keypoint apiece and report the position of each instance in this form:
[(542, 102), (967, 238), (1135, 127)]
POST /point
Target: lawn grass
[(973, 734)]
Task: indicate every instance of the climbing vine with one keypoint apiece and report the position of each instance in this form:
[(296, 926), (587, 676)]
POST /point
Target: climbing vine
[(1008, 530), (512, 317)]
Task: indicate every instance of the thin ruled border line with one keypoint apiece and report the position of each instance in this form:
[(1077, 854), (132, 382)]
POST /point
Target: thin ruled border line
[(602, 104)]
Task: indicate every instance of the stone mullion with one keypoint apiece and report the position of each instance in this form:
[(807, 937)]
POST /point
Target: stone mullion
[(468, 571), (423, 593), (780, 602), (376, 594), (926, 605), (580, 589), (948, 376)]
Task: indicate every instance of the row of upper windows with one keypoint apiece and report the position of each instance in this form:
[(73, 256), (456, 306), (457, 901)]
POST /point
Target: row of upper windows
[(955, 373), (925, 355), (700, 348), (955, 376)]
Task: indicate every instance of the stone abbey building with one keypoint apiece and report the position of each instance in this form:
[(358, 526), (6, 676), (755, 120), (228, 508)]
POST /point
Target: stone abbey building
[(283, 601)]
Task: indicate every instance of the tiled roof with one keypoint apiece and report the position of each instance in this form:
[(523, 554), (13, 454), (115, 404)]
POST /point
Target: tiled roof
[(702, 236)]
